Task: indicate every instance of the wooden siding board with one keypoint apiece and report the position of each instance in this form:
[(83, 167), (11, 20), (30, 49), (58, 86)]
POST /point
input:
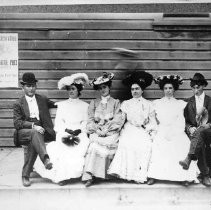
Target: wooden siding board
[(108, 44), (102, 65), (109, 54), (76, 24), (79, 16), (6, 142), (135, 35)]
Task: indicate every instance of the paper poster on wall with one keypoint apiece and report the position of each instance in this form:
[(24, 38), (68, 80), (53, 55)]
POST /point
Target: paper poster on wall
[(8, 60)]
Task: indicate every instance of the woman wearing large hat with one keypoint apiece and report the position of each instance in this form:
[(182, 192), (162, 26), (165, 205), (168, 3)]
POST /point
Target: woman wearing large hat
[(68, 151), (104, 123), (132, 157), (171, 143)]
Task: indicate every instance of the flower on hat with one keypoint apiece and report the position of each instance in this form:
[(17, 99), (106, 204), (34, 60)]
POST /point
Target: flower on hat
[(78, 78), (106, 77), (164, 79)]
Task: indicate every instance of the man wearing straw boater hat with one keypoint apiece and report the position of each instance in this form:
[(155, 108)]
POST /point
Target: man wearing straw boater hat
[(198, 127), (33, 125)]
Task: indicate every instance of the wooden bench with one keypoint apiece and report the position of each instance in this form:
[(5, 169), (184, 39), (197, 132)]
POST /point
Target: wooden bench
[(57, 45)]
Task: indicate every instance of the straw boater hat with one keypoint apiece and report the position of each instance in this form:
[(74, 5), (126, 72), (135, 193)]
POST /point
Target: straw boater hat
[(28, 78), (105, 78), (78, 78), (175, 80), (142, 78), (198, 79)]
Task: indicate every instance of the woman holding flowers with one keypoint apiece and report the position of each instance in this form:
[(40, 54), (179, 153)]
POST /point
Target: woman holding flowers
[(171, 143), (68, 151)]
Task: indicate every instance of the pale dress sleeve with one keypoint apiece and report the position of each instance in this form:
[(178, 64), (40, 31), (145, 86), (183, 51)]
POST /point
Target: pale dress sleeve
[(91, 125), (59, 123), (151, 126), (180, 122), (84, 119), (118, 120)]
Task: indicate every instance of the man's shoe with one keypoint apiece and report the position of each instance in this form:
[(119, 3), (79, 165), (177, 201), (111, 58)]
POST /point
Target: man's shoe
[(185, 163), (206, 181), (26, 182), (185, 183), (48, 165)]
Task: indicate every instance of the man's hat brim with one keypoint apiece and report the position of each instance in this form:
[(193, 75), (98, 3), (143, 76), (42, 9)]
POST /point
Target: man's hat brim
[(29, 83)]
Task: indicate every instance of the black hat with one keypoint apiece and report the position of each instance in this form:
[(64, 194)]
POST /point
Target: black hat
[(142, 78), (28, 78), (198, 79)]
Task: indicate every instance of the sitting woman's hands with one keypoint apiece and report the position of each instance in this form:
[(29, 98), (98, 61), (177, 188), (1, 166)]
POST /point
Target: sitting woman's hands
[(101, 133)]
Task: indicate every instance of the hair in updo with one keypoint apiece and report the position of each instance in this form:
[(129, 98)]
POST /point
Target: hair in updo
[(78, 86), (175, 80)]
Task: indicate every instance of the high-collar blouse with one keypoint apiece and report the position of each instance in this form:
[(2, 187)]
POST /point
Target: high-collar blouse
[(71, 114)]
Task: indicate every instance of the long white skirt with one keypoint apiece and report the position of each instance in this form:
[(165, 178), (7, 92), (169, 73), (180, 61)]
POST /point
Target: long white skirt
[(68, 161), (132, 156), (167, 150)]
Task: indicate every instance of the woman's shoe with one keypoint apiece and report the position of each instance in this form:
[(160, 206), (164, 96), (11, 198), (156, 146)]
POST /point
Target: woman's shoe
[(151, 181), (62, 183), (185, 183), (89, 183)]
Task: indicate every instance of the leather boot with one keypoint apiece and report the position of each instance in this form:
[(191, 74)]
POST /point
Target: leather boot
[(206, 181), (26, 182)]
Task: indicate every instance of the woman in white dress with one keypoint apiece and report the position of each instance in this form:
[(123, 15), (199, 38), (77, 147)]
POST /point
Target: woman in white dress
[(68, 151), (133, 154), (171, 143), (104, 124)]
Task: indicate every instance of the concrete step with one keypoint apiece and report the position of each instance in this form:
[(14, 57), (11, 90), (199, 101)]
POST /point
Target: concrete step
[(44, 195)]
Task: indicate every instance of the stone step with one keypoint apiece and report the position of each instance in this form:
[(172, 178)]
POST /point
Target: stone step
[(44, 195)]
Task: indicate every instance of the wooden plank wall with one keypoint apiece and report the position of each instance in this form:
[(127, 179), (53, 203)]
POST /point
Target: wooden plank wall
[(56, 45)]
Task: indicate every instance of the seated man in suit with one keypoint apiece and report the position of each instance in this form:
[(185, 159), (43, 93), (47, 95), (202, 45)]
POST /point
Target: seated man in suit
[(33, 125), (198, 126)]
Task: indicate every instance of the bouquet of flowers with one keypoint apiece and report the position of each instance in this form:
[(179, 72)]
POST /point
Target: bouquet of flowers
[(73, 139)]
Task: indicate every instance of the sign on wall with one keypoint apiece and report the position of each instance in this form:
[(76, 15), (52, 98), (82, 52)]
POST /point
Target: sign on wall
[(8, 60)]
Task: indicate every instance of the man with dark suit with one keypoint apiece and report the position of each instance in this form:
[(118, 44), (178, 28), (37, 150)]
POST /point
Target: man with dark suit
[(198, 105), (33, 125)]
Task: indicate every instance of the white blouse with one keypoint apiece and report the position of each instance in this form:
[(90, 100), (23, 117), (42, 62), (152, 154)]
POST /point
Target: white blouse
[(139, 112), (71, 114)]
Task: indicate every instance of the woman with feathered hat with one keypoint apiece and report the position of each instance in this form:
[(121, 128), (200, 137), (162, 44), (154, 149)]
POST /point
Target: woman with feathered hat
[(104, 124), (132, 157), (69, 149), (171, 143)]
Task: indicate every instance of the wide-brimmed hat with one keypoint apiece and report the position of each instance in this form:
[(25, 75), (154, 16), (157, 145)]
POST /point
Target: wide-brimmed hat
[(175, 80), (198, 79), (78, 78), (142, 78), (28, 78), (106, 77)]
